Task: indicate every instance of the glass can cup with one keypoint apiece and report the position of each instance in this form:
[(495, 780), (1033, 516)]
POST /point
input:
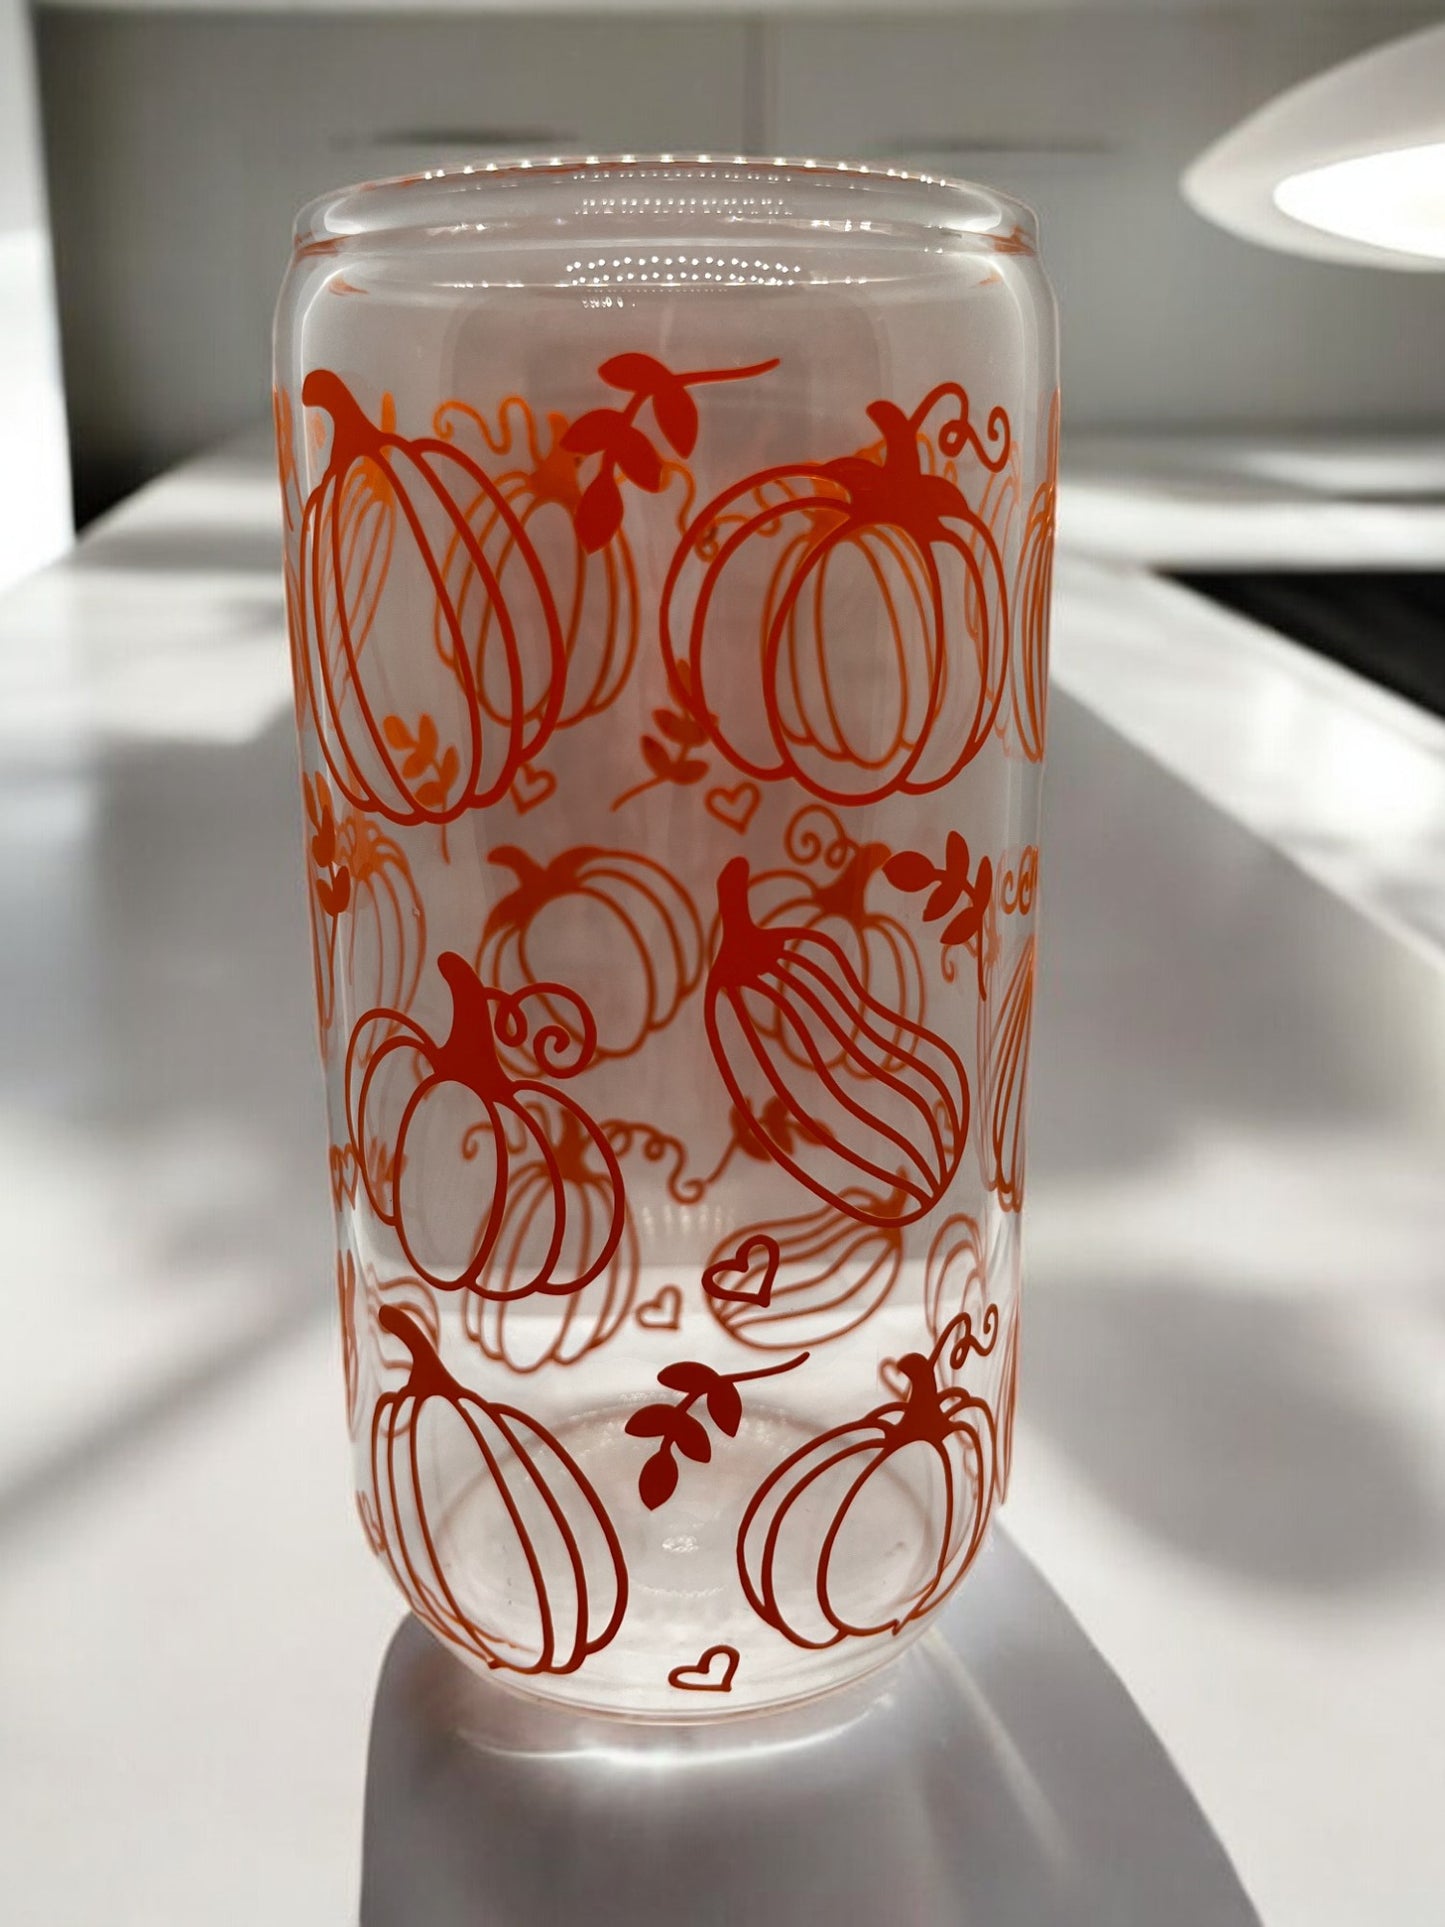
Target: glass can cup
[(668, 559)]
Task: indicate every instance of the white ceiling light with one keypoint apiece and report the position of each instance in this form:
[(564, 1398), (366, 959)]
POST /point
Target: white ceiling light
[(1349, 166)]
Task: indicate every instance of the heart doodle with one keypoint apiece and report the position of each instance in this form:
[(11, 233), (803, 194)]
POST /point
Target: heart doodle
[(892, 1379), (707, 1676), (345, 1172), (741, 1264), (662, 1313), (735, 807), (334, 893), (531, 787)]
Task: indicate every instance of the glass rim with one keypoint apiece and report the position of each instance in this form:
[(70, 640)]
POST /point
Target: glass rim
[(412, 209)]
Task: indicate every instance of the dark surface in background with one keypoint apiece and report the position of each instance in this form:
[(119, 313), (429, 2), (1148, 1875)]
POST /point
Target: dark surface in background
[(180, 140), (1388, 625)]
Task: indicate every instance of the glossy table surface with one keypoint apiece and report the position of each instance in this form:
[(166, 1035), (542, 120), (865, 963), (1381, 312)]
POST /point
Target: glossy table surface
[(1227, 1533)]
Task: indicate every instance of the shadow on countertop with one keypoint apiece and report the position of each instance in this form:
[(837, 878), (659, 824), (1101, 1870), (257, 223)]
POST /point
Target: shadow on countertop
[(997, 1775)]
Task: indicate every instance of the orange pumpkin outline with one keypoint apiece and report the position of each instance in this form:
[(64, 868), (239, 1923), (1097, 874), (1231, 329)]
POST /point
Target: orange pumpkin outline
[(483, 1020), (409, 1545), (376, 871), (348, 529), (929, 1414), (588, 871), (1033, 599), (854, 498)]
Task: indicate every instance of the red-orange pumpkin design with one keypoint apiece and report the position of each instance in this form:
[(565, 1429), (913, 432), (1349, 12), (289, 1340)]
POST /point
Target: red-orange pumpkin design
[(1005, 1027), (361, 1331), (955, 1277), (856, 1091), (595, 591), (494, 1183), (831, 1272), (376, 535), (612, 920), (828, 894), (1029, 673), (959, 1282), (525, 1336), (780, 626), (866, 1528), (452, 1471), (368, 926)]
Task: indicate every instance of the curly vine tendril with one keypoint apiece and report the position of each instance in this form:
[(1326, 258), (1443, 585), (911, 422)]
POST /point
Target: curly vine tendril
[(556, 1050), (959, 1338), (992, 448)]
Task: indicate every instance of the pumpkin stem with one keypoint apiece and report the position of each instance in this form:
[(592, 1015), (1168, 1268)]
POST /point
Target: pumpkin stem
[(469, 1054), (732, 895), (844, 895), (520, 862), (351, 433), (428, 1374), (921, 1417)]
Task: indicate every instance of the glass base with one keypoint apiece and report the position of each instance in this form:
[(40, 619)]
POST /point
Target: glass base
[(691, 1645)]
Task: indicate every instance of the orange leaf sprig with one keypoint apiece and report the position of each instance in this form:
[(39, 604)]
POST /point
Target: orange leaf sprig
[(613, 435), (420, 753), (333, 884), (677, 1429), (673, 760), (946, 884)]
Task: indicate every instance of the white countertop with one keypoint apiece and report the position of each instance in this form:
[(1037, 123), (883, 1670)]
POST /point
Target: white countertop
[(1231, 1465)]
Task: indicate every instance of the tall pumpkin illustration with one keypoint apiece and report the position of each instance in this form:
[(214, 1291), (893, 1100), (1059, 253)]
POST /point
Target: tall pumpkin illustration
[(452, 1472), (834, 1085), (618, 922), (376, 535), (494, 1183), (595, 591), (874, 605), (869, 1526)]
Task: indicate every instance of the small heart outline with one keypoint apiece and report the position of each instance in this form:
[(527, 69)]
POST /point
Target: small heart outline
[(662, 1313), (736, 807), (697, 1677), (740, 1262), (531, 787)]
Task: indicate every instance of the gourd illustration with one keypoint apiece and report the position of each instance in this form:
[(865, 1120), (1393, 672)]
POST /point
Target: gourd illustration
[(516, 1330), (828, 1273), (368, 927), (494, 1183), (375, 536), (853, 635), (452, 1472), (613, 920), (828, 892), (857, 1091), (869, 1526)]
